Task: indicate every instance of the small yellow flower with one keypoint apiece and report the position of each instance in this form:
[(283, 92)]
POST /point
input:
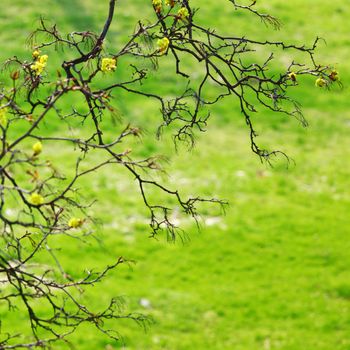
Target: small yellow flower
[(75, 222), (183, 13), (43, 59), (157, 4), (3, 116), (36, 54), (170, 3), (37, 148), (36, 199), (163, 45), (39, 65), (320, 82), (292, 76), (108, 64)]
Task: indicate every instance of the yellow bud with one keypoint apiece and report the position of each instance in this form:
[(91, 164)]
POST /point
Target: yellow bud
[(75, 222), (163, 45), (3, 116), (320, 82), (292, 76), (36, 199), (37, 148)]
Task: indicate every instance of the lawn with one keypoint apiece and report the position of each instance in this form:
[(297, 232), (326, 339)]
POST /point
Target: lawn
[(274, 271)]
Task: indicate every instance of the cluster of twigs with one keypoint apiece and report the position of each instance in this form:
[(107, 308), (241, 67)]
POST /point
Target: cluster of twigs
[(45, 207)]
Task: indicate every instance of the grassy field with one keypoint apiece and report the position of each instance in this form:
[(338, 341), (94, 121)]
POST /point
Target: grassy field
[(274, 272)]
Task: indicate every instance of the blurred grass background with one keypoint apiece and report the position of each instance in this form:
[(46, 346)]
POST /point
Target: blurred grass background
[(271, 274)]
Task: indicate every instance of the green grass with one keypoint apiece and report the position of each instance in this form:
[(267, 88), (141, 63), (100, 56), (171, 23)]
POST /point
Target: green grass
[(273, 273)]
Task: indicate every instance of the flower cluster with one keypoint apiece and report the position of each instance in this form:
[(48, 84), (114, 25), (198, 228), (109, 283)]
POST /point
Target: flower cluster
[(163, 45), (157, 4), (322, 81), (326, 80), (39, 65), (108, 64), (183, 13), (170, 3)]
